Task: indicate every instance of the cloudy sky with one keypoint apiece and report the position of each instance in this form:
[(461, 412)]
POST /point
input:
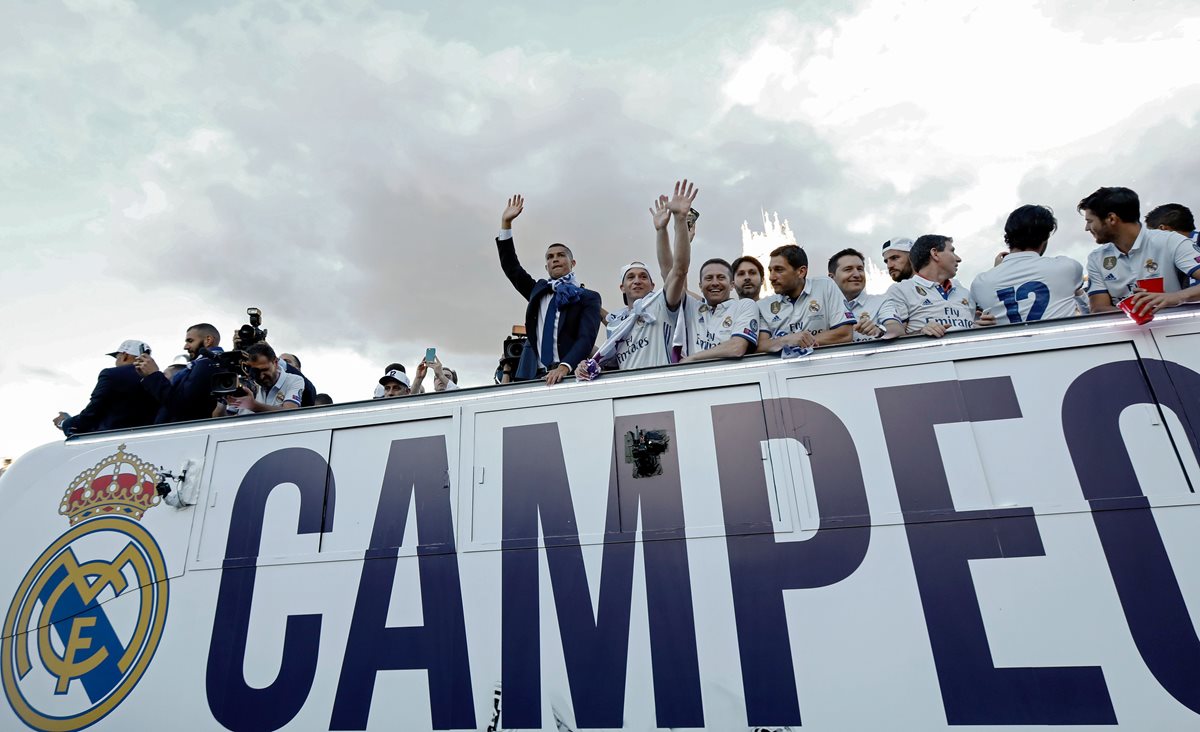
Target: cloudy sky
[(343, 165)]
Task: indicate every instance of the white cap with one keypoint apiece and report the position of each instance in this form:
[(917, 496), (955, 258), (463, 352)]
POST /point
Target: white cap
[(394, 375), (133, 348), (636, 265), (900, 244)]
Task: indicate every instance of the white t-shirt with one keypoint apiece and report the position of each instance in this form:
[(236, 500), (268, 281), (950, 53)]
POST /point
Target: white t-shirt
[(1155, 253), (704, 326), (648, 344), (1026, 286), (918, 301), (820, 307), (862, 307), (288, 387)]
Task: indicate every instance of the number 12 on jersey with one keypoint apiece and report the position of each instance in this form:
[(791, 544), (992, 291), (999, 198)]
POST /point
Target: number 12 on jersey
[(1011, 296)]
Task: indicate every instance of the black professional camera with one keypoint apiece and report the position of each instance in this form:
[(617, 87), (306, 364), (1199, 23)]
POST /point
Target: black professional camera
[(643, 448), (513, 347), (250, 333), (229, 373)]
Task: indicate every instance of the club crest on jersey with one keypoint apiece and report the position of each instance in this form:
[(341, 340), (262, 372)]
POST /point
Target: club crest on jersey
[(775, 307), (66, 647), (703, 308), (727, 322), (1110, 262), (814, 306), (1151, 265), (921, 290), (964, 302)]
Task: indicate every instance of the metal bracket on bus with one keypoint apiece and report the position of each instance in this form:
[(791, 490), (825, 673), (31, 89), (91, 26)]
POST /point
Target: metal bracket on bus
[(643, 448), (187, 489)]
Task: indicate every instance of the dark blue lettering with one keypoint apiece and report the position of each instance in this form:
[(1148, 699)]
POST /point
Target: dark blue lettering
[(414, 465), (942, 540), (595, 647), (234, 703), (761, 568), (1154, 607)]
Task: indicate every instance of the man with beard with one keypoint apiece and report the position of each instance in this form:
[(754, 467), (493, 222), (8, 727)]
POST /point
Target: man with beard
[(895, 258), (748, 277), (188, 395), (1129, 253), (804, 312), (275, 388)]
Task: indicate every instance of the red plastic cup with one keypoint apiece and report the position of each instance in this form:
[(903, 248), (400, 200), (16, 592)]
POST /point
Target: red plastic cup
[(1139, 318), (1152, 284)]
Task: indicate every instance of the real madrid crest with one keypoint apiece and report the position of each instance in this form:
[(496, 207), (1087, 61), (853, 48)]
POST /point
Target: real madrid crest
[(1151, 265), (964, 302), (814, 306), (70, 656), (728, 321), (921, 290), (775, 307), (1110, 262)]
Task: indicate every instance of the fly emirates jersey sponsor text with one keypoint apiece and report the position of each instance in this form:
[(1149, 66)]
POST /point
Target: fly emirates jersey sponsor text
[(648, 343), (820, 307), (704, 326), (1154, 253), (918, 301), (1026, 286)]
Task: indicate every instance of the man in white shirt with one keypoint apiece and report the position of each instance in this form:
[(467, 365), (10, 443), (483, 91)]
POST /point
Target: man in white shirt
[(712, 325), (274, 388), (748, 276), (639, 336), (1025, 285), (895, 258), (1130, 252), (804, 312), (930, 302), (848, 270), (1174, 217)]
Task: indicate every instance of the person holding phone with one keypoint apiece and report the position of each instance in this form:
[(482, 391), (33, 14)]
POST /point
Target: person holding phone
[(562, 317), (444, 379)]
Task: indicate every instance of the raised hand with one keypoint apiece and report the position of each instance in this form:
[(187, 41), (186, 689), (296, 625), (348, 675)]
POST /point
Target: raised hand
[(515, 206), (660, 214), (681, 202)]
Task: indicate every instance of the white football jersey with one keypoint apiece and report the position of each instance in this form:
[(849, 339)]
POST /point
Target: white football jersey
[(820, 307), (648, 344), (1026, 286), (918, 301), (703, 326), (1155, 253), (862, 307)]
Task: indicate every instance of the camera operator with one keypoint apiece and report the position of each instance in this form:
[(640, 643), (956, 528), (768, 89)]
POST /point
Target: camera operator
[(118, 399), (291, 363), (274, 389), (189, 394)]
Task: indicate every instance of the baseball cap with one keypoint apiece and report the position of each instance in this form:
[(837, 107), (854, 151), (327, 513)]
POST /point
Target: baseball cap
[(133, 348), (635, 265), (900, 244), (398, 376)]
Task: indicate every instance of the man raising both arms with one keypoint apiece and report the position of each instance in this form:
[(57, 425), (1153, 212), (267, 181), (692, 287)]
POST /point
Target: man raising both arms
[(1027, 286), (639, 336), (1129, 252), (804, 311)]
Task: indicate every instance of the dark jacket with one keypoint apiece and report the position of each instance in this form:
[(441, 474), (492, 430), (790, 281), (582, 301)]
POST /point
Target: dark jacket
[(188, 397), (578, 322), (117, 401), (309, 397)]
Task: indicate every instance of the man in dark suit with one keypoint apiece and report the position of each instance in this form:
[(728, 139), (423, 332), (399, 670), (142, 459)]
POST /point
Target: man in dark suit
[(562, 318), (189, 394), (118, 399)]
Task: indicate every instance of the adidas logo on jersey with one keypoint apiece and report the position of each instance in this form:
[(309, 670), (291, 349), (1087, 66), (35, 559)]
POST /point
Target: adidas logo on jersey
[(926, 302), (1110, 276)]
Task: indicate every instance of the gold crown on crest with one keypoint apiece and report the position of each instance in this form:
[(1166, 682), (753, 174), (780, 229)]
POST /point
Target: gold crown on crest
[(119, 485)]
